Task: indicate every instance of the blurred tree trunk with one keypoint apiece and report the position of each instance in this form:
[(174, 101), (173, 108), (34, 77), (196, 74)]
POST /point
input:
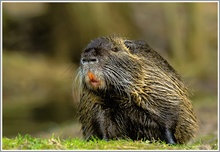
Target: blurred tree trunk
[(61, 35), (196, 36), (174, 32)]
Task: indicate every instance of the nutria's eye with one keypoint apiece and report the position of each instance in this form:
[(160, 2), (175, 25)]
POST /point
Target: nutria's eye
[(115, 49)]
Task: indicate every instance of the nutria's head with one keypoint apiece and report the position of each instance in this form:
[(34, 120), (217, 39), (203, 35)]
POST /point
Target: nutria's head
[(108, 64)]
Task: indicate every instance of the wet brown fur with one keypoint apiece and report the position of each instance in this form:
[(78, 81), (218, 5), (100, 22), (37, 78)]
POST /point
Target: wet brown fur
[(138, 96)]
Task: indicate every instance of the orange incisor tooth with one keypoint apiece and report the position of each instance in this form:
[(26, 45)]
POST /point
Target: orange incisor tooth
[(91, 76)]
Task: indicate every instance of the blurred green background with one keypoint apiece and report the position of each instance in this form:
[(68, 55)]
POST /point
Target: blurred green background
[(42, 43)]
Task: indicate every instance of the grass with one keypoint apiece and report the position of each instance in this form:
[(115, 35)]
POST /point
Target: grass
[(27, 142)]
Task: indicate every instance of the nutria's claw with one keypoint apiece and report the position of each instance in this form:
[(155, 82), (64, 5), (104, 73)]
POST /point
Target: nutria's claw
[(169, 137)]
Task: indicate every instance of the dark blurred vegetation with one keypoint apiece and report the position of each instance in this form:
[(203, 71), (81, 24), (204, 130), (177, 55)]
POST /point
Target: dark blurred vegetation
[(42, 43)]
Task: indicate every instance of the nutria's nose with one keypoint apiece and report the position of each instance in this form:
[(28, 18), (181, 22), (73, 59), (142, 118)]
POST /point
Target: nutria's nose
[(89, 60), (89, 56)]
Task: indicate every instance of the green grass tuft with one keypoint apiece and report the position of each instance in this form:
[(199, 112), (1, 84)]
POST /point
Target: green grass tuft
[(30, 143)]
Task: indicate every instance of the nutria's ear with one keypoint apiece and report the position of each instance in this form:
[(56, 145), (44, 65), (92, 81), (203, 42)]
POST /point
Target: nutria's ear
[(136, 45), (129, 44)]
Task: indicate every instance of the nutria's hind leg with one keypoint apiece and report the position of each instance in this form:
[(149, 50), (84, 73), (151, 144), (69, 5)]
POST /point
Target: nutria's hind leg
[(169, 136)]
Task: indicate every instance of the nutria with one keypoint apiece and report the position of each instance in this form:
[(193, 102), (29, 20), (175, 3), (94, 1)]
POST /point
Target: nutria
[(128, 91)]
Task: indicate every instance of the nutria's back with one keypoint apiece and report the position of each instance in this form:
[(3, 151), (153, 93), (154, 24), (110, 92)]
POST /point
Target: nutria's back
[(129, 91)]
